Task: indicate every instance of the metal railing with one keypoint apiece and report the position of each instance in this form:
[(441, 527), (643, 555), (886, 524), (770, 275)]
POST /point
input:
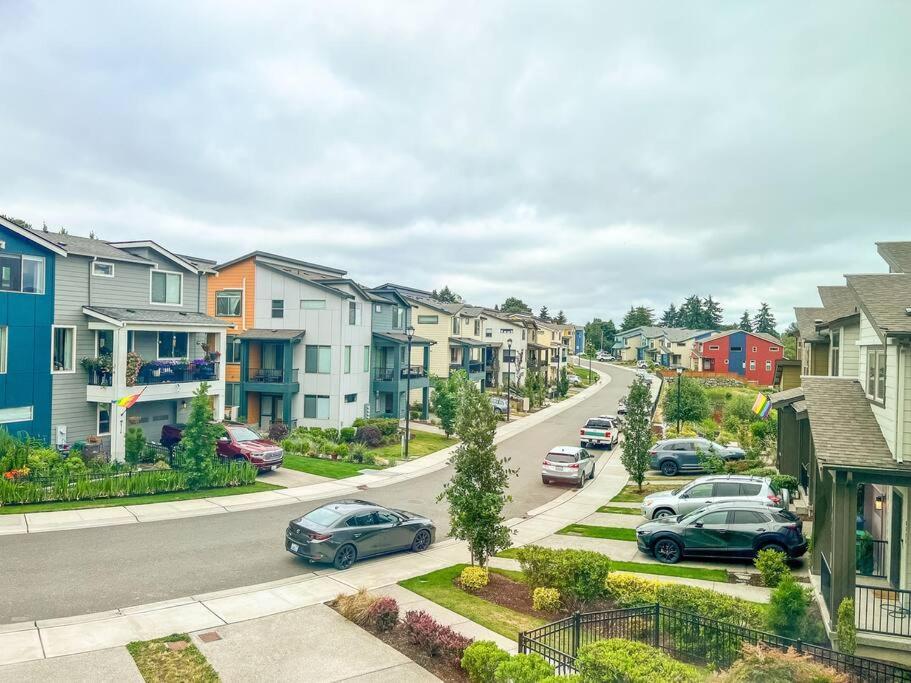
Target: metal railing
[(99, 378), (871, 555), (388, 374), (686, 637), (158, 372), (883, 610), (271, 375), (475, 366)]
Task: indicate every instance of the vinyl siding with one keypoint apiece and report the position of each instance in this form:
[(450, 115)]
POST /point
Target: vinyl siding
[(906, 403), (440, 333), (850, 352), (194, 286), (885, 416)]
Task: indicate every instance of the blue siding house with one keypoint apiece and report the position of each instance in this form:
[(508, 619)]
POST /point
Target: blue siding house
[(27, 265)]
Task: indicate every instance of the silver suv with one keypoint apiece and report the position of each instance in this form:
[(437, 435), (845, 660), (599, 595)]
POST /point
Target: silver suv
[(714, 488)]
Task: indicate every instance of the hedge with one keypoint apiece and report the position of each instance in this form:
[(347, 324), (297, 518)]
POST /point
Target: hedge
[(625, 661)]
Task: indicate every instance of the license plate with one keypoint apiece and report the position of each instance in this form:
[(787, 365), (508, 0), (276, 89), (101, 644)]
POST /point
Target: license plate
[(274, 467), (295, 547), (563, 469)]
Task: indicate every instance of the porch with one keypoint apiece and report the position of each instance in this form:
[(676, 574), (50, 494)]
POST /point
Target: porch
[(268, 378), (469, 355), (394, 374)]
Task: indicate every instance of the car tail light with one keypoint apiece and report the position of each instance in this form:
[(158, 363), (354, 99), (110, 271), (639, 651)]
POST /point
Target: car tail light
[(581, 432), (606, 435), (319, 537), (775, 499), (574, 466), (654, 451)]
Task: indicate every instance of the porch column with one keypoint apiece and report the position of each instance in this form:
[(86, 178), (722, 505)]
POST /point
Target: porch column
[(244, 371), (822, 523), (844, 540), (397, 380), (119, 382), (287, 378)]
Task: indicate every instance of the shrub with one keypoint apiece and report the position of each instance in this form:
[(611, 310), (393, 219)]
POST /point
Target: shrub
[(788, 608), (356, 606), (573, 678), (278, 431), (134, 443), (845, 629), (523, 668), (545, 599), (578, 575), (626, 661), (369, 435), (433, 638), (357, 451), (770, 665), (785, 481), (474, 578), (761, 471), (340, 450), (330, 434), (481, 660), (772, 565), (161, 465), (347, 434), (383, 614), (629, 590)]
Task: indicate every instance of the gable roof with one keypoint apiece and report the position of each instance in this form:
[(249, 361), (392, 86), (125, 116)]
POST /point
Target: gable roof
[(886, 301), (297, 276), (679, 334), (94, 248), (428, 303), (838, 301), (896, 254), (333, 272), (40, 238), (759, 335), (405, 291), (806, 321), (154, 246)]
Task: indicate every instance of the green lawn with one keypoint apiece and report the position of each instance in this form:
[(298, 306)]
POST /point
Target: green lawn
[(608, 532), (159, 663), (614, 510), (334, 469), (631, 493), (438, 587), (583, 374), (136, 500), (422, 443)]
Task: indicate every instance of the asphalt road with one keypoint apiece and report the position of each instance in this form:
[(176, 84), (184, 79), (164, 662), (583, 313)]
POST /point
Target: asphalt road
[(82, 571)]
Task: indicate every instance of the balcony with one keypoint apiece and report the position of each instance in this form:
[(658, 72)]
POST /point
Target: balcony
[(271, 375), (388, 374), (174, 372)]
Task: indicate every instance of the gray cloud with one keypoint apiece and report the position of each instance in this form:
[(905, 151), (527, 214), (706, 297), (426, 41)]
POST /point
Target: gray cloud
[(586, 155)]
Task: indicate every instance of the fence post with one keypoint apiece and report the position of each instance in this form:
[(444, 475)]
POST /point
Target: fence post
[(656, 628), (522, 646), (577, 629), (800, 645)]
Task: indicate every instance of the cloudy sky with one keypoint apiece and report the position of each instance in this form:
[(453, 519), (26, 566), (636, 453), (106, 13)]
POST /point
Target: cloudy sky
[(581, 155)]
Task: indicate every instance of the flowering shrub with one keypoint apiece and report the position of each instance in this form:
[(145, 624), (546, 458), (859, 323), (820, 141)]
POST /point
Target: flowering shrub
[(13, 475), (474, 578), (434, 638), (383, 614), (546, 599)]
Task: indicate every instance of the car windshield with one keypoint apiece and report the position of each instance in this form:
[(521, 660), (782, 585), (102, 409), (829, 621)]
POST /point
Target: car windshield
[(244, 434), (599, 424), (321, 516), (561, 457)]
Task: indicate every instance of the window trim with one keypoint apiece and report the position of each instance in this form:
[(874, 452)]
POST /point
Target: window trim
[(158, 345), (63, 327), (428, 319), (166, 273), (318, 348), (229, 343), (280, 309), (102, 263), (107, 407), (878, 352), (6, 419), (225, 292), (33, 259), (4, 348)]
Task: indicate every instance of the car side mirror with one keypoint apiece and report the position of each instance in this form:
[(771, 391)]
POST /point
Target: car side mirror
[(684, 495), (223, 438), (698, 525)]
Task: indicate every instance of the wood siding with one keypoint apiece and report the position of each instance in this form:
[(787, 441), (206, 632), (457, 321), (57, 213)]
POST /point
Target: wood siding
[(242, 276)]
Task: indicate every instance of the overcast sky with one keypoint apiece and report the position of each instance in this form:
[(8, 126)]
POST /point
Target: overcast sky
[(581, 155)]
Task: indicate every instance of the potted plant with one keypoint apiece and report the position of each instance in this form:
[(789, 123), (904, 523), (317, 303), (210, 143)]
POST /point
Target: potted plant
[(134, 363)]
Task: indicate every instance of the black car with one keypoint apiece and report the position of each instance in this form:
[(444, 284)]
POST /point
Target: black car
[(348, 530), (723, 530)]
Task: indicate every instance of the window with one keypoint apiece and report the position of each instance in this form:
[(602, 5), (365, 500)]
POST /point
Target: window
[(378, 308), (366, 359), (506, 330), (63, 349), (318, 359), (167, 288), (173, 344), (350, 398), (748, 517), (876, 375), (773, 349), (312, 304), (4, 342), (228, 303), (700, 491), (396, 316), (33, 275), (354, 313), (455, 325), (726, 489), (453, 354), (10, 273), (19, 414), (477, 328), (428, 320), (102, 269), (752, 365), (713, 347), (768, 366), (834, 352), (736, 349), (750, 489), (278, 308), (104, 419), (714, 519), (22, 274), (347, 360), (232, 394), (232, 350), (316, 407)]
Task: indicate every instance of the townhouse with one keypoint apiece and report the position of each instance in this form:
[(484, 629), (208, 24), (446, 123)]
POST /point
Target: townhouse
[(507, 353), (845, 433), (667, 346), (750, 355)]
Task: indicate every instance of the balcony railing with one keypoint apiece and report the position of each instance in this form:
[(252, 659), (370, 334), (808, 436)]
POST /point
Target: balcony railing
[(883, 610), (475, 366), (172, 372), (871, 557), (100, 378), (271, 375), (388, 374)]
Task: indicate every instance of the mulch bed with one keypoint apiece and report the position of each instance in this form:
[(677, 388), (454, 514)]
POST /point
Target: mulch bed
[(514, 595)]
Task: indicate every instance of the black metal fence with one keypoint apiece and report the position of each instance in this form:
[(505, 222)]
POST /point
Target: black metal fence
[(883, 609), (686, 637)]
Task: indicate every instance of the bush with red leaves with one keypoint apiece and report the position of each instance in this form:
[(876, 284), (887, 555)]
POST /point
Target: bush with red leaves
[(383, 614), (434, 638)]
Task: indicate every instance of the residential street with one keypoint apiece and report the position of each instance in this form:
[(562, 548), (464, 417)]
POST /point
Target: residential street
[(94, 570)]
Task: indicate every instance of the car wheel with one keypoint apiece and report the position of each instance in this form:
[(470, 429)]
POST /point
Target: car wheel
[(663, 512), (668, 551), (345, 557), (581, 481), (774, 546), (239, 459), (592, 473), (544, 480), (669, 468), (421, 541), (583, 444)]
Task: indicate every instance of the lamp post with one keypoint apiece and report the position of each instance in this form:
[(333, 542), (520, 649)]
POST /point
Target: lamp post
[(590, 368), (679, 375), (410, 332), (508, 376)]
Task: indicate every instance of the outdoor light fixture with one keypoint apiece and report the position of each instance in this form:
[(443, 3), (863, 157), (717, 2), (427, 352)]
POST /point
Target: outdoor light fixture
[(679, 371), (878, 502)]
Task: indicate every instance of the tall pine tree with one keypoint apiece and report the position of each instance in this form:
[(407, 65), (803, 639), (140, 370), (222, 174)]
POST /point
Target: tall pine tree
[(638, 316), (711, 314), (745, 323), (764, 321), (691, 314), (560, 318), (544, 314), (669, 317)]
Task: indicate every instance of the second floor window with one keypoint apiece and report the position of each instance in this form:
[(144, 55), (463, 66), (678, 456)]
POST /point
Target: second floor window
[(102, 269), (455, 325), (477, 328), (876, 375), (354, 313), (173, 344), (166, 288), (347, 359), (318, 359), (63, 349), (232, 350), (21, 274), (835, 347), (228, 303), (396, 316), (428, 319), (278, 308)]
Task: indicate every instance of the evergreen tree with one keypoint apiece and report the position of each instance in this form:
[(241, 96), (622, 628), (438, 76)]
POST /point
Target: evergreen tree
[(560, 319), (44, 226), (515, 305), (446, 296), (638, 316), (92, 235), (711, 314), (609, 330), (669, 317), (64, 231), (563, 383), (691, 314), (637, 431), (745, 323), (544, 314), (197, 445), (764, 321), (477, 491), (18, 221)]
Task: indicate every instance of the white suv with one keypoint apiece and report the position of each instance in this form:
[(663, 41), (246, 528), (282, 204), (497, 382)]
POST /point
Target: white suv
[(714, 488)]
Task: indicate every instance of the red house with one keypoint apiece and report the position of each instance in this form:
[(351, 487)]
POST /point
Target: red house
[(751, 355)]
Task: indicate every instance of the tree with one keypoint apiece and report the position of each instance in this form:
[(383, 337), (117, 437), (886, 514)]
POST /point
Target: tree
[(560, 318), (563, 382), (637, 316), (535, 388), (515, 305), (197, 445), (764, 321), (669, 317), (637, 431), (92, 235), (134, 443), (711, 314), (691, 313), (544, 314), (477, 491), (446, 296), (445, 399), (64, 231), (745, 323), (600, 333), (18, 221), (789, 341), (694, 402)]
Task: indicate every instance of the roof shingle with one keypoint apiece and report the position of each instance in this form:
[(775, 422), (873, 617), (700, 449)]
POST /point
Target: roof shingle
[(885, 300), (896, 254)]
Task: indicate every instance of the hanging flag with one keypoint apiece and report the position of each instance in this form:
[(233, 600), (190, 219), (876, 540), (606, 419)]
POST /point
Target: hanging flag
[(128, 401), (762, 405)]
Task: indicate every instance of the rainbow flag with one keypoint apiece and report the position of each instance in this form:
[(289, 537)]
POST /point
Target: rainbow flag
[(762, 405), (128, 401)]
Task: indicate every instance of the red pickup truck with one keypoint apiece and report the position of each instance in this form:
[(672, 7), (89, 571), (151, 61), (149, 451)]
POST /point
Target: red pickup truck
[(238, 442)]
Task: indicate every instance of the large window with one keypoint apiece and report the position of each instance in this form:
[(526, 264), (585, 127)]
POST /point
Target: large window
[(167, 288), (316, 407), (354, 313), (318, 359), (835, 351), (347, 360), (232, 350), (22, 273), (876, 375), (63, 349), (396, 316), (313, 304), (228, 303), (4, 342), (455, 324), (232, 394), (173, 344), (33, 275), (278, 308), (428, 319)]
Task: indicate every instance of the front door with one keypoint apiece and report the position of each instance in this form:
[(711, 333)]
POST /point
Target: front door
[(271, 410), (895, 543)]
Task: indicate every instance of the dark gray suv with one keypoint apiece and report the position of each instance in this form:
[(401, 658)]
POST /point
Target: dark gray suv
[(673, 456)]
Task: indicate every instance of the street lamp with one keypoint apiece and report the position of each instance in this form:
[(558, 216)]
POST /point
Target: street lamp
[(410, 332), (508, 376), (679, 375), (590, 368)]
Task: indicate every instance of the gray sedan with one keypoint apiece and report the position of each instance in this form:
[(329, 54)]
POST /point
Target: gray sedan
[(348, 530)]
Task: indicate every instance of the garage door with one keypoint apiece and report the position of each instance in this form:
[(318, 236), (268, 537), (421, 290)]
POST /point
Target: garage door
[(151, 417)]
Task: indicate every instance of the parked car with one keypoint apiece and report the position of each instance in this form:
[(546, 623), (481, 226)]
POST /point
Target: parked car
[(574, 380), (499, 404), (642, 365), (603, 431), (238, 442), (621, 407), (672, 456), (714, 488), (722, 530), (568, 464), (348, 530), (603, 356)]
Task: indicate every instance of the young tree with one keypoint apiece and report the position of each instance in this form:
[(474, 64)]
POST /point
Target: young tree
[(446, 296), (694, 402), (745, 323), (477, 491), (764, 321), (563, 382), (669, 317), (544, 314), (711, 314), (789, 341), (638, 316), (197, 445), (560, 318), (535, 388), (515, 305), (445, 399), (637, 431)]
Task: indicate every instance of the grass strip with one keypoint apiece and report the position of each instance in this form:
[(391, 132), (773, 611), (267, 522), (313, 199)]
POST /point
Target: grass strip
[(439, 588), (611, 533), (158, 663), (422, 443), (632, 494), (333, 469), (136, 500), (613, 510)]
